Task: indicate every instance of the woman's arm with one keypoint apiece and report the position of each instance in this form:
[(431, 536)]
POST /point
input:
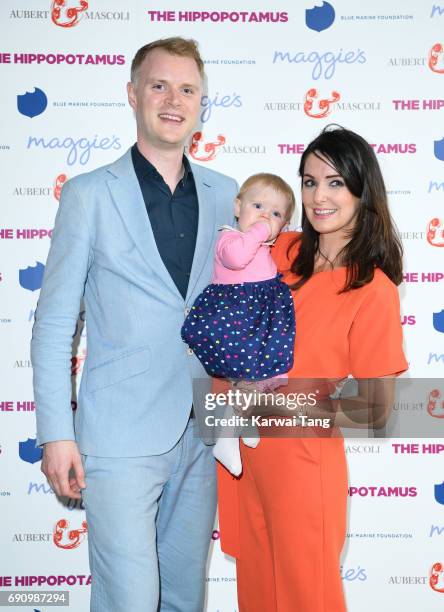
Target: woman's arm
[(369, 408)]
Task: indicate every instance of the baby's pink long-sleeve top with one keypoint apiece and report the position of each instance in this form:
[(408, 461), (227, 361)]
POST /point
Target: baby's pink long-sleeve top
[(242, 257)]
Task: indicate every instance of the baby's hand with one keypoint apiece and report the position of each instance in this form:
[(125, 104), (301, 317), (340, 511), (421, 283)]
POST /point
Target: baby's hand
[(270, 228)]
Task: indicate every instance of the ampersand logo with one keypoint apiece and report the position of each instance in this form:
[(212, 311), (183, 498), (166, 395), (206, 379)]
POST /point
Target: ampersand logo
[(58, 184), (67, 17), (77, 363), (436, 577), (210, 148), (436, 58), (324, 105), (435, 404), (74, 537), (435, 232)]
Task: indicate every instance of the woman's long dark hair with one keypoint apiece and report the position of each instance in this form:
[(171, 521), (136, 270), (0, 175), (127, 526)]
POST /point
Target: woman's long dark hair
[(373, 240)]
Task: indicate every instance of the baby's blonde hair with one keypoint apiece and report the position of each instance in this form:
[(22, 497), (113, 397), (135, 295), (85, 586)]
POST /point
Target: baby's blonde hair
[(274, 181)]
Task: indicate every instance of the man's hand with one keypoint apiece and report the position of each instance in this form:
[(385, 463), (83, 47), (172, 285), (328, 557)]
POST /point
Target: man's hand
[(58, 460)]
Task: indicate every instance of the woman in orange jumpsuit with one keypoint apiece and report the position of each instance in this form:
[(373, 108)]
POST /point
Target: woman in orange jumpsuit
[(284, 519)]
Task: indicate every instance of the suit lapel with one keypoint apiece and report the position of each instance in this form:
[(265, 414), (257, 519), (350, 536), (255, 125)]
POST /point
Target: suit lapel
[(127, 196), (206, 225)]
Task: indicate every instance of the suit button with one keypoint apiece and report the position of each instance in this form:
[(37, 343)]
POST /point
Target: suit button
[(187, 311), (190, 351)]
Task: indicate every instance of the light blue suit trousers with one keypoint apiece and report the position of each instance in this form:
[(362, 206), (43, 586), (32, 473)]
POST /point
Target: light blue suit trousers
[(150, 520)]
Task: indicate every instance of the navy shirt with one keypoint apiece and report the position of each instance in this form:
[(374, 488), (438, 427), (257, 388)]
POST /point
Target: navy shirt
[(173, 217)]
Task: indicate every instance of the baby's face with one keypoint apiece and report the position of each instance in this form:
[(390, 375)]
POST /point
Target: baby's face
[(262, 203)]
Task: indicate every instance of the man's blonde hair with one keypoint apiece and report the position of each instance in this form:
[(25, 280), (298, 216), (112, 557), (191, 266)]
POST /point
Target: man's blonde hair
[(275, 182), (183, 47)]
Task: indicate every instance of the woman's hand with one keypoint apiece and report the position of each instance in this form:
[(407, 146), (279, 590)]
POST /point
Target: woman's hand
[(252, 400)]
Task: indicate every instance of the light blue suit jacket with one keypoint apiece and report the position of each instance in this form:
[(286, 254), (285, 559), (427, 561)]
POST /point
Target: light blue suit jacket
[(136, 389)]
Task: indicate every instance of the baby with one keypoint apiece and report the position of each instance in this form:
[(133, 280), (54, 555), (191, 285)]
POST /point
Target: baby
[(242, 326)]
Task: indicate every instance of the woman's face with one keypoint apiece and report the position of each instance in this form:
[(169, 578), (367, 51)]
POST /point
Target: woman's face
[(329, 205)]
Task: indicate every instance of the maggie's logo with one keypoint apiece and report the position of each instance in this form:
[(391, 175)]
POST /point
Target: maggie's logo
[(73, 538), (435, 232), (436, 58), (318, 108), (210, 149), (67, 17)]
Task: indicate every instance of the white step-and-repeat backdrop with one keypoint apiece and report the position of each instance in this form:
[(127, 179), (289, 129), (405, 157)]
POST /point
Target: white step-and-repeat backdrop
[(277, 73)]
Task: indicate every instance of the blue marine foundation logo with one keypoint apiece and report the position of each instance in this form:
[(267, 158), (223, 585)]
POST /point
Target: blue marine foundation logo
[(29, 452), (438, 321), (439, 493), (320, 17), (438, 149), (33, 103), (31, 278)]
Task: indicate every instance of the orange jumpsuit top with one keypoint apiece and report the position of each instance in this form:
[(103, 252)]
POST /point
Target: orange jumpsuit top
[(358, 332)]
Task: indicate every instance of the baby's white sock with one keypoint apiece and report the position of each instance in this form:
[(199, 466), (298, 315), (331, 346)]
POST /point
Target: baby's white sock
[(227, 450)]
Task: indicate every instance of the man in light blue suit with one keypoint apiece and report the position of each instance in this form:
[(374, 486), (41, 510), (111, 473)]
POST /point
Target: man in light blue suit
[(135, 240)]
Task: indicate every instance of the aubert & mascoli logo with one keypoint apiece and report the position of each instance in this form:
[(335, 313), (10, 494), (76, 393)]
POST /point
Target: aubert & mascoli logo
[(68, 539), (205, 151), (435, 232), (31, 537), (323, 104), (436, 58), (77, 362), (22, 363), (402, 580), (436, 577), (363, 449), (68, 14), (319, 107), (32, 191), (435, 404), (58, 184), (67, 17), (407, 62)]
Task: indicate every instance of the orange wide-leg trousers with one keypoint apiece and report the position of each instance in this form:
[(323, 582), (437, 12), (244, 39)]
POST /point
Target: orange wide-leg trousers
[(291, 504)]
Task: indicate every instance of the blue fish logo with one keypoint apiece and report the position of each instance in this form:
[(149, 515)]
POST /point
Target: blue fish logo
[(320, 17), (32, 104), (438, 149), (439, 493), (31, 278), (29, 452), (438, 321)]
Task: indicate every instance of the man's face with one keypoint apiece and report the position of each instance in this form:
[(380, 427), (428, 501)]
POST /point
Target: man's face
[(166, 99)]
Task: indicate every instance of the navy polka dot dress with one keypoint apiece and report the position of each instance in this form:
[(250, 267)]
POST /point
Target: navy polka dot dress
[(243, 331)]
